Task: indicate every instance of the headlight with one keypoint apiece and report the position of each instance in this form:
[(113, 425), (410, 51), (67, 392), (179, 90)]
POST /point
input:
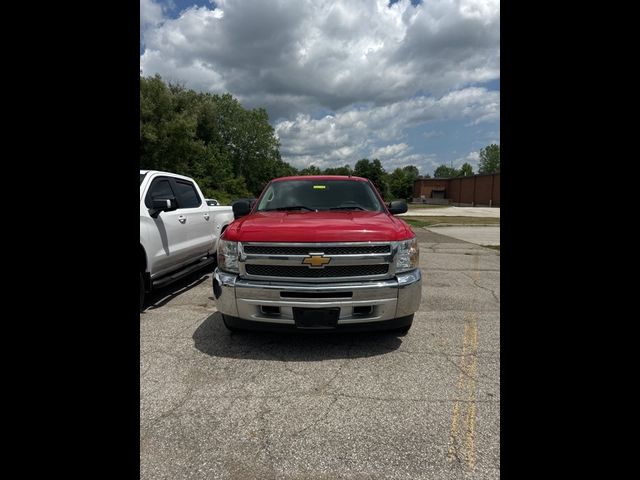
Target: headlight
[(228, 256), (408, 256)]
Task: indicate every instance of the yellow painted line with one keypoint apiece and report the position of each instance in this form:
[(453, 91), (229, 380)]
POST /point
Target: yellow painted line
[(463, 417), (453, 438), (470, 447)]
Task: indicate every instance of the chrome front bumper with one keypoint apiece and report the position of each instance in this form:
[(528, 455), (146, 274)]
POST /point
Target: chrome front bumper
[(392, 298)]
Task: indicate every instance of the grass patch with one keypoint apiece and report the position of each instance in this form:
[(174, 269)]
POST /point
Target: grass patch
[(415, 222), (430, 221), (414, 206)]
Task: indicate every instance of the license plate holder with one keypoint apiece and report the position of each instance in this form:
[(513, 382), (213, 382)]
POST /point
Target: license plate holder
[(320, 318)]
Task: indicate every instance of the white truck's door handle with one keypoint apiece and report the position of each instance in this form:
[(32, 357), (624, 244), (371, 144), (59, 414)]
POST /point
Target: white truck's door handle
[(206, 216), (182, 219)]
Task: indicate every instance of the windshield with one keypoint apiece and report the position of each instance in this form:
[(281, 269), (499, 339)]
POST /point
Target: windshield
[(315, 195), (142, 175)]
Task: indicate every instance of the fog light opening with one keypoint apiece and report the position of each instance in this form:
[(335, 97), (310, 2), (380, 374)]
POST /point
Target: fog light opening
[(270, 311), (362, 311)]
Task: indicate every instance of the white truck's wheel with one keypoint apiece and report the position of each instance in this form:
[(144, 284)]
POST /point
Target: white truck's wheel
[(141, 292)]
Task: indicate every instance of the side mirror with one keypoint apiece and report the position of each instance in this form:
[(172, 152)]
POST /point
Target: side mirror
[(162, 205), (397, 206), (240, 209)]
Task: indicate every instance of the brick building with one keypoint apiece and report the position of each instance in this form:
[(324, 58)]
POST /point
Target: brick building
[(476, 190)]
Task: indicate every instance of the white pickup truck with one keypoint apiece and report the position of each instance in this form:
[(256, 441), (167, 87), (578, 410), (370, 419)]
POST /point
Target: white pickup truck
[(179, 232)]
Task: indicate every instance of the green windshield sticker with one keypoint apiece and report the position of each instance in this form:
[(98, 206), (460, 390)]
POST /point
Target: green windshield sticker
[(319, 187)]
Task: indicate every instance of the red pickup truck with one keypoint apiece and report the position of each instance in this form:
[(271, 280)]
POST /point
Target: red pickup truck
[(318, 253)]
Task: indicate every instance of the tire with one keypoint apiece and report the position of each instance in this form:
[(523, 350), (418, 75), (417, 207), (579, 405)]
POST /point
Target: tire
[(402, 331), (141, 292), (228, 323)]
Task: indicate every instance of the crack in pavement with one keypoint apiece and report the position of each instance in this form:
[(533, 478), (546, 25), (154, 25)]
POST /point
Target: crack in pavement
[(321, 417), (164, 352), (339, 369), (475, 282), (142, 374), (176, 335), (190, 388), (351, 396), (265, 443), (473, 378), (489, 354)]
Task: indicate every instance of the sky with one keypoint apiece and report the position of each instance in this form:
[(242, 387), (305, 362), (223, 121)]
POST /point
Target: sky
[(408, 82)]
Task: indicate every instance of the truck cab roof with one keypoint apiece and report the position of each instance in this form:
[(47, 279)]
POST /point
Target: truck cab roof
[(320, 178)]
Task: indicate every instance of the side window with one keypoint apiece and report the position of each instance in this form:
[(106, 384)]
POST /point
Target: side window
[(187, 195), (161, 188)]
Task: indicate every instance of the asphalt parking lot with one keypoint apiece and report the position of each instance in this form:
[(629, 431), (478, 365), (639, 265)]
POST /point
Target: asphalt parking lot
[(480, 235), (354, 406)]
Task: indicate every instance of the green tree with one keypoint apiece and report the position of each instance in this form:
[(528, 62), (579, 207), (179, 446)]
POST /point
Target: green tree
[(466, 170), (444, 171), (283, 169), (373, 171), (401, 182), (489, 159), (229, 150), (412, 171), (411, 174), (166, 129), (311, 170), (346, 170)]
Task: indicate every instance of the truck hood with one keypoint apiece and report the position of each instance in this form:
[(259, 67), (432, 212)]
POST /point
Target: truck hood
[(295, 226)]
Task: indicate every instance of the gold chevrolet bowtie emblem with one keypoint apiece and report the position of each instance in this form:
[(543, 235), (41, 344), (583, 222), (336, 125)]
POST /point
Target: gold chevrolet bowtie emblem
[(316, 261)]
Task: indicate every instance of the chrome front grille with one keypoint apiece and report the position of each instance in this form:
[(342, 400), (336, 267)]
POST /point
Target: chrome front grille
[(296, 271), (355, 250), (317, 262)]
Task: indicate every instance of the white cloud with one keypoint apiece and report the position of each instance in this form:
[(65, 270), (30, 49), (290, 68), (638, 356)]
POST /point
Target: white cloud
[(378, 69), (485, 138), (355, 133), (151, 15), (471, 158), (478, 9), (295, 56), (400, 155), (425, 163), (389, 151)]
